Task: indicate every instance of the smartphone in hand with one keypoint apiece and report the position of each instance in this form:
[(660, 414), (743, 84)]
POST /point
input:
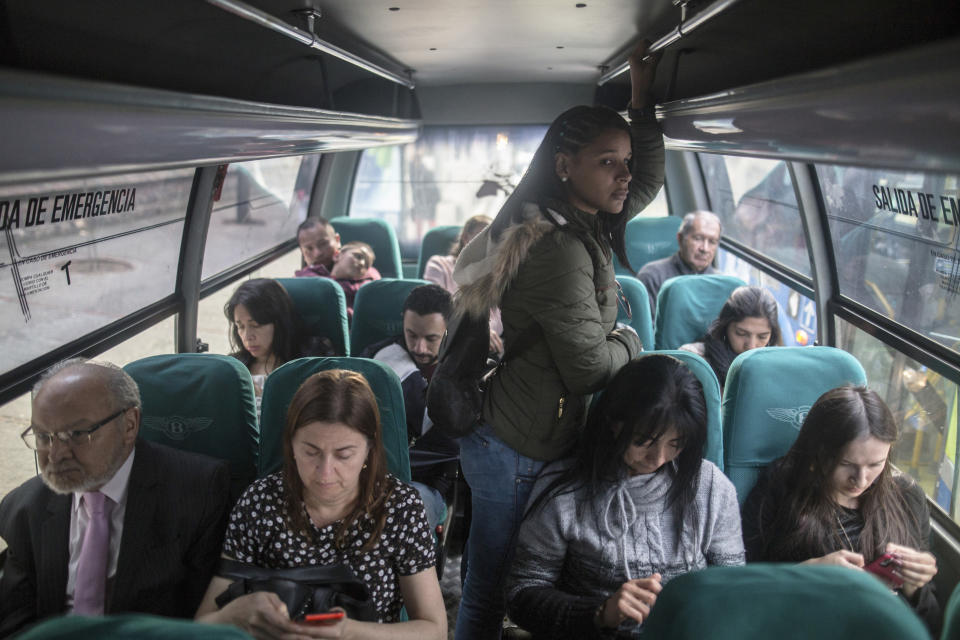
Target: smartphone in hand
[(329, 617), (886, 567)]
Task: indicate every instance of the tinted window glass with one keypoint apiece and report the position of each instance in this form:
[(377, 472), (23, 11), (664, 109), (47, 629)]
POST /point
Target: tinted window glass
[(756, 202), (923, 403), (895, 236), (447, 176), (260, 206), (81, 254)]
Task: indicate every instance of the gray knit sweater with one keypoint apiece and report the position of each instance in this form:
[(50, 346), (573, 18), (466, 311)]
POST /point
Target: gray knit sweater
[(566, 565)]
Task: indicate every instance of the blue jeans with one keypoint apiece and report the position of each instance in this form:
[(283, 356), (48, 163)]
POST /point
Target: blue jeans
[(432, 502), (500, 482)]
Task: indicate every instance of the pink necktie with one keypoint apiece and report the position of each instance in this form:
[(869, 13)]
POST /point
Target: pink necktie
[(91, 585)]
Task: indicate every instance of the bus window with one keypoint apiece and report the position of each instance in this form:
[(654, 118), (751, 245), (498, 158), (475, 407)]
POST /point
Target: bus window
[(658, 208), (18, 461), (895, 235), (923, 403), (446, 176), (757, 204), (212, 326), (796, 312), (80, 254), (261, 204)]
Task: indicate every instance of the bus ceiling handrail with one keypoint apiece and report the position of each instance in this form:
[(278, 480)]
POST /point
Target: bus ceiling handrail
[(264, 19), (56, 127), (682, 29)]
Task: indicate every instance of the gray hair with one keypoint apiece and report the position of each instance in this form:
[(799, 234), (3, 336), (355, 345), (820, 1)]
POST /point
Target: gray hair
[(123, 389), (687, 225)]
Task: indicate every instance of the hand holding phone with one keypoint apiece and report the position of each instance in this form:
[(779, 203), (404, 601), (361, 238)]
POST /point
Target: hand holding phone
[(887, 567), (330, 617)]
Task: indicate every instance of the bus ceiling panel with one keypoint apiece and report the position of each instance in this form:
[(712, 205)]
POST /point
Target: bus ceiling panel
[(56, 128), (310, 39), (191, 46), (897, 111)]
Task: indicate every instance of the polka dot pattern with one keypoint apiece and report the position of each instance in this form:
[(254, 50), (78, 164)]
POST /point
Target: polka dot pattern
[(259, 534)]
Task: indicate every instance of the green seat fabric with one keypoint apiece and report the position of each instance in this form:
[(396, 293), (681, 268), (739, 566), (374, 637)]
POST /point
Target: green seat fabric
[(780, 601), (376, 233), (648, 239), (642, 319), (377, 311), (951, 617), (686, 305), (713, 451), (323, 308), (437, 241), (203, 403), (766, 399), (282, 384), (130, 627)]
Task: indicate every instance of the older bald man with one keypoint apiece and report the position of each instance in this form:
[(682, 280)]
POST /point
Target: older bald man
[(113, 524)]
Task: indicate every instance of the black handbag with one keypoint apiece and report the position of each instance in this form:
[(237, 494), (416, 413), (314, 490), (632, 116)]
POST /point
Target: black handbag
[(304, 589)]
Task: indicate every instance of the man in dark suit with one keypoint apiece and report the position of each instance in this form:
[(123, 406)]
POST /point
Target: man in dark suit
[(113, 524)]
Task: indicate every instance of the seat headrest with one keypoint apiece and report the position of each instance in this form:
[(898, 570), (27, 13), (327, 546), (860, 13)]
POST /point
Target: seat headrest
[(780, 601), (377, 311), (203, 403), (766, 399), (686, 305), (322, 306), (282, 384)]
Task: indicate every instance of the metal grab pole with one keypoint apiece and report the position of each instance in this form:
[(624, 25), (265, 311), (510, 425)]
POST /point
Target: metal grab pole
[(678, 32), (265, 19)]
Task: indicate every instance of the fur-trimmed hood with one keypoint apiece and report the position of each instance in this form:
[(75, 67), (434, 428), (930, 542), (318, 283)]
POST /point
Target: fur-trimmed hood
[(487, 266)]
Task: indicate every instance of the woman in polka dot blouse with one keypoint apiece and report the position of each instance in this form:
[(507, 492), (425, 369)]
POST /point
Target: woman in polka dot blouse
[(334, 502)]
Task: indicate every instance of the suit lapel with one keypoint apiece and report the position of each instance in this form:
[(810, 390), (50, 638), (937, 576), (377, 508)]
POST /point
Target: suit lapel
[(53, 554), (139, 527)]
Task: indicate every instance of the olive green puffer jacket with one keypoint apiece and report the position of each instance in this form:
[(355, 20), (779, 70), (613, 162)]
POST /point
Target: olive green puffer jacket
[(557, 276)]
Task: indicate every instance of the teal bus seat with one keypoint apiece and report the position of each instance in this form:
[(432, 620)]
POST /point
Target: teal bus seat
[(378, 311), (648, 239), (436, 241), (130, 626), (686, 305), (951, 617), (766, 399), (376, 233), (283, 383), (641, 318), (780, 601), (203, 403), (713, 451), (322, 306)]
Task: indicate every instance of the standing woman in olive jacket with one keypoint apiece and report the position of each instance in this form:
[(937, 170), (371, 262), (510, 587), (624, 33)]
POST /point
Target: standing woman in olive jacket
[(546, 261)]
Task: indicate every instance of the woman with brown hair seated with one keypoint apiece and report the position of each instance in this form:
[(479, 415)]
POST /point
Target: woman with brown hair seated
[(334, 503)]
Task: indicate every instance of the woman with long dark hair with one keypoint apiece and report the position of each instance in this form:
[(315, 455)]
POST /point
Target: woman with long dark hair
[(748, 320), (835, 498), (334, 503), (637, 507), (546, 262), (265, 329)]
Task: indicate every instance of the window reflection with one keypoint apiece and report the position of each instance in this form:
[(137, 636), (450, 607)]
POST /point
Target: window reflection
[(448, 175), (757, 204), (261, 204), (895, 236), (924, 404)]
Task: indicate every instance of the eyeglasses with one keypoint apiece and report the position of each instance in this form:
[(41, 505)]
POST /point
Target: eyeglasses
[(42, 440)]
